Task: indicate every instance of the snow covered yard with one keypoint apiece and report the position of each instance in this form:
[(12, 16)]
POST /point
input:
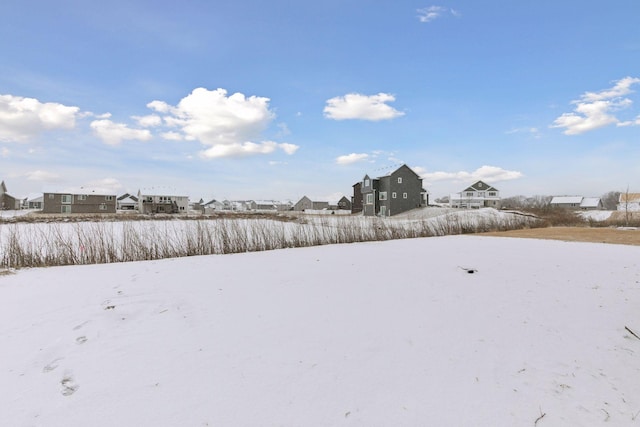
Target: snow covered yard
[(395, 333)]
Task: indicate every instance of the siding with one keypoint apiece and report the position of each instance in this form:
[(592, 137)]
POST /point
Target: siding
[(79, 203)]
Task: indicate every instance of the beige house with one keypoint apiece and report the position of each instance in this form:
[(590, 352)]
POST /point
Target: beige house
[(154, 202), (629, 202), (576, 202), (305, 204)]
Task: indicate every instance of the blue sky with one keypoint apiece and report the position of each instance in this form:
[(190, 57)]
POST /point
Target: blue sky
[(280, 99)]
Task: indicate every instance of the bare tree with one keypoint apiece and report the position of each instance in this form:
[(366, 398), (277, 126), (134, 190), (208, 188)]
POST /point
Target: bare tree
[(626, 207), (610, 200)]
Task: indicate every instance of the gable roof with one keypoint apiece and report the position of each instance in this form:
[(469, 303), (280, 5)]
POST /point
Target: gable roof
[(88, 191), (160, 191), (561, 200), (127, 200), (590, 202), (480, 186), (392, 171), (632, 197), (128, 196)]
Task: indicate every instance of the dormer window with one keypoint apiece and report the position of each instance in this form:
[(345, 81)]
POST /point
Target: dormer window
[(366, 182)]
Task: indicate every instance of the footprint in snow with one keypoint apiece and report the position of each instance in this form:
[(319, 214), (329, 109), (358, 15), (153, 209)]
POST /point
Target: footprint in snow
[(69, 386), (81, 340), (51, 366), (81, 325)]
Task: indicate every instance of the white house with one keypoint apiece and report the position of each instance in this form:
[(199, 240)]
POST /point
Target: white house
[(591, 204), (213, 206), (629, 202), (478, 195), (127, 202)]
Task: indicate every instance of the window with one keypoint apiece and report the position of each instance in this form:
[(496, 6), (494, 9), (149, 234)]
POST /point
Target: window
[(404, 195), (65, 209), (81, 197), (480, 193), (51, 196), (148, 199), (399, 180), (366, 182), (370, 199), (109, 198), (492, 193), (393, 195), (383, 195), (102, 207), (65, 198), (469, 193)]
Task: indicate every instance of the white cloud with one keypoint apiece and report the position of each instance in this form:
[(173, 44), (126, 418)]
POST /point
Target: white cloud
[(362, 107), (172, 136), (431, 13), (246, 149), (283, 129), (4, 152), (159, 106), (114, 133), (635, 122), (621, 88), (288, 148), (151, 120), (106, 185), (23, 118), (595, 109), (348, 159), (228, 125), (531, 130), (484, 173), (39, 175)]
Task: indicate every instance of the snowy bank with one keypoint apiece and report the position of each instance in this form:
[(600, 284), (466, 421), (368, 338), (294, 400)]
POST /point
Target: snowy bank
[(383, 333)]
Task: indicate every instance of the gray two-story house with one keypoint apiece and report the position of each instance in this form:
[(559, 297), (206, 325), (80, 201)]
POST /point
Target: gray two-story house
[(392, 194), (7, 202)]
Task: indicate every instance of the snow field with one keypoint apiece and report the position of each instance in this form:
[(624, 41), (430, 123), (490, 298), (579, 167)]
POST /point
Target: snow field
[(369, 334)]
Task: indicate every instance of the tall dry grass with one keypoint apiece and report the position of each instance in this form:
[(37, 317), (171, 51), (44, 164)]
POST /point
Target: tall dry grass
[(94, 242)]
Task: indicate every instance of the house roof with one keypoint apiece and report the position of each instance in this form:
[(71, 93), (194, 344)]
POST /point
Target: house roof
[(128, 199), (480, 186), (590, 202), (127, 196), (96, 191), (160, 191), (561, 200), (631, 197), (390, 172)]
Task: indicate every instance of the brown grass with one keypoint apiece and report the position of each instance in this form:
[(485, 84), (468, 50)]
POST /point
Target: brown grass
[(576, 234)]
